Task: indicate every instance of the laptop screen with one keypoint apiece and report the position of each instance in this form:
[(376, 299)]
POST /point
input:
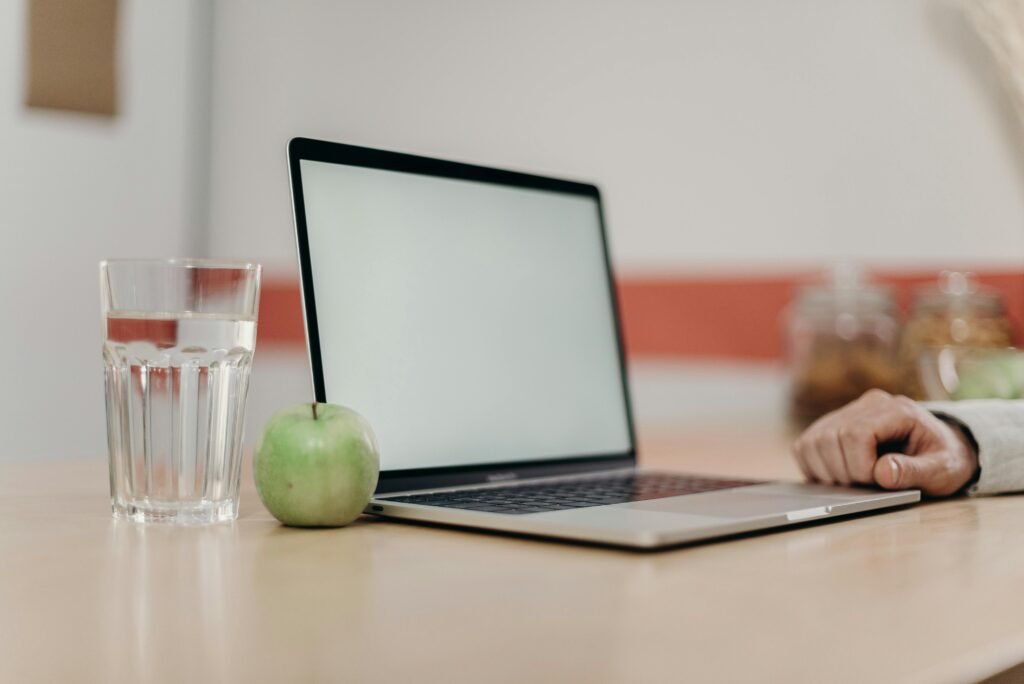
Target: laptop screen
[(470, 322)]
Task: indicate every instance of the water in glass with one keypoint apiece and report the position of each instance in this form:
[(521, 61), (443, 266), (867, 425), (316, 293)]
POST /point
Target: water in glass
[(176, 385)]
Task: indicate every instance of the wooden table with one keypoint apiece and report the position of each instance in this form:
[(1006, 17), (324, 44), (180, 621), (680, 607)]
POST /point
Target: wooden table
[(932, 593)]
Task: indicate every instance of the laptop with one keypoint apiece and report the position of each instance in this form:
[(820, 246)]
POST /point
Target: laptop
[(469, 314)]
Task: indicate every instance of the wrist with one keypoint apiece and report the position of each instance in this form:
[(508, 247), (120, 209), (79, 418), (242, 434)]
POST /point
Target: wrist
[(965, 438)]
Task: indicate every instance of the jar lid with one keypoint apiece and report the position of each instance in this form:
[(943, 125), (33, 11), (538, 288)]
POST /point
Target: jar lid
[(845, 290), (959, 292)]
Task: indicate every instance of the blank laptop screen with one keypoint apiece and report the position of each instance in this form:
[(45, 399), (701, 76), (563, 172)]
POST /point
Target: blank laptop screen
[(469, 322)]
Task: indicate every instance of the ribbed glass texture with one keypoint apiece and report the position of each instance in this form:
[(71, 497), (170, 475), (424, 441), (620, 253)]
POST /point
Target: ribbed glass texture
[(180, 337)]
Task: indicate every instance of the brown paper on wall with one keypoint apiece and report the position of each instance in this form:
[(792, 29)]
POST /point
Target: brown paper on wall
[(72, 48)]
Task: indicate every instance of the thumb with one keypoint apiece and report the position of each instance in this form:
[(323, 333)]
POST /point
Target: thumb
[(899, 471)]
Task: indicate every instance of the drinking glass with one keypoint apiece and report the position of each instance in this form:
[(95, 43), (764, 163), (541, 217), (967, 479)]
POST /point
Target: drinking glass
[(180, 336)]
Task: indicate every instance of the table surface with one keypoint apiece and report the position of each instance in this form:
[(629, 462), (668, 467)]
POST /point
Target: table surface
[(927, 593)]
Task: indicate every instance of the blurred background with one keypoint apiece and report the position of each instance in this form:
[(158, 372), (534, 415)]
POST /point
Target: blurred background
[(746, 151)]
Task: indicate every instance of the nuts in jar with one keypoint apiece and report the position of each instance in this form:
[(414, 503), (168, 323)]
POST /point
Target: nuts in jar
[(958, 313), (843, 340)]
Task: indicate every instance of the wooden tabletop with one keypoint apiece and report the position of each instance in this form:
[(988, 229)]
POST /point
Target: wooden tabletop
[(931, 593)]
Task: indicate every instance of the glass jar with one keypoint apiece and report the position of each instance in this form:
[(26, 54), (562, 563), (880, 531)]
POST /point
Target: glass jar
[(843, 339), (957, 315)]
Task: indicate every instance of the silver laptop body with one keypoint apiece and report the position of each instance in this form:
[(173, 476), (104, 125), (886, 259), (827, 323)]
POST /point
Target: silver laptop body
[(469, 313)]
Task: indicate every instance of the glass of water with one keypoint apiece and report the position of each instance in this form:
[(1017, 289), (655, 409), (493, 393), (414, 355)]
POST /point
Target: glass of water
[(180, 336)]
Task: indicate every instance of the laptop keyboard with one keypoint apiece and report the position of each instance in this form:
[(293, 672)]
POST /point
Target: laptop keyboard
[(567, 493)]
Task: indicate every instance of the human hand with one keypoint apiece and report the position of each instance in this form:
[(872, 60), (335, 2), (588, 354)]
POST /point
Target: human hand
[(890, 441)]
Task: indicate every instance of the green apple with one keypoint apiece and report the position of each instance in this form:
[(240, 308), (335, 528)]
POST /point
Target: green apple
[(1013, 364), (316, 465), (983, 382), (999, 376)]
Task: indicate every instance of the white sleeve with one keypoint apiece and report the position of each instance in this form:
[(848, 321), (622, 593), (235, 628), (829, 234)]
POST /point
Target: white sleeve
[(997, 426)]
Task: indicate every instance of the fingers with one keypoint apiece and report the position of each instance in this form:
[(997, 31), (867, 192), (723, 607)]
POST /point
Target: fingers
[(798, 456), (842, 447), (831, 454), (809, 459), (887, 418), (899, 471), (936, 474), (860, 451), (817, 467), (891, 472)]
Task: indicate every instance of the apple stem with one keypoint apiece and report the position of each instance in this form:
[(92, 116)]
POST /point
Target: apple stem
[(314, 410)]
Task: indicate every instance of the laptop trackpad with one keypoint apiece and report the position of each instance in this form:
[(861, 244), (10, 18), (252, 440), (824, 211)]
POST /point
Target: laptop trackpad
[(736, 503)]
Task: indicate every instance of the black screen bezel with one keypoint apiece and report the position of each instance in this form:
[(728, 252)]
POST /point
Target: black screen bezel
[(300, 149)]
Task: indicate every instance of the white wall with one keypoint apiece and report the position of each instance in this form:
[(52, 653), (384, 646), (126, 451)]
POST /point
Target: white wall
[(78, 188), (733, 134)]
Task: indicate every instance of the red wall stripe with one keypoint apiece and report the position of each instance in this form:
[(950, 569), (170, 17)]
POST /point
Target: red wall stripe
[(682, 317), (280, 318), (734, 318)]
